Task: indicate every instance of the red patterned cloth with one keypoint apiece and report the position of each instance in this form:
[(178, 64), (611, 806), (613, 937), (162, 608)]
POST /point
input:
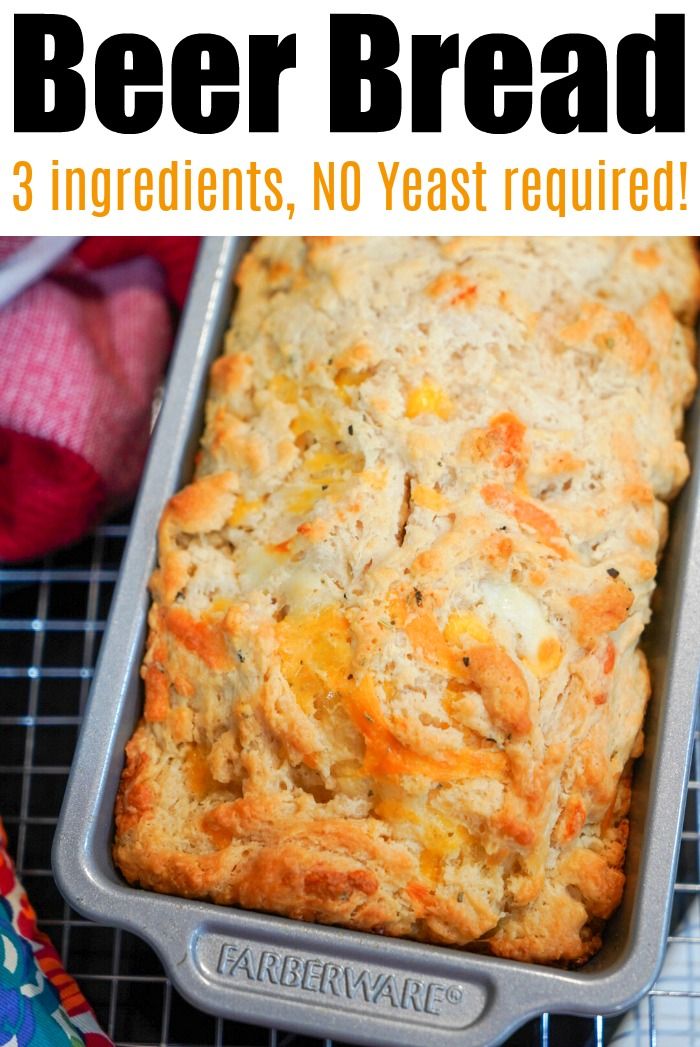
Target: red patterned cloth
[(81, 352), (40, 1005)]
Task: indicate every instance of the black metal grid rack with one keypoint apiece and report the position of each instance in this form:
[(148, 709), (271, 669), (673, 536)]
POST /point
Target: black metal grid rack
[(52, 618)]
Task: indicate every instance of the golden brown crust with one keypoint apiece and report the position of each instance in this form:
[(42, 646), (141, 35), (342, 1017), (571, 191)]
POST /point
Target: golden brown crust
[(393, 679)]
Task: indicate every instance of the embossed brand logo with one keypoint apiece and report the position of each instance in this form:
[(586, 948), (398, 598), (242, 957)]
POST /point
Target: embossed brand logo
[(351, 983)]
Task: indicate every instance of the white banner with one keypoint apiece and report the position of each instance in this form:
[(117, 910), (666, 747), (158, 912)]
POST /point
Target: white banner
[(307, 178)]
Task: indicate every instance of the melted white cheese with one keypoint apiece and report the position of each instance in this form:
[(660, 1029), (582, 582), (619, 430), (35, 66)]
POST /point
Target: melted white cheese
[(520, 611)]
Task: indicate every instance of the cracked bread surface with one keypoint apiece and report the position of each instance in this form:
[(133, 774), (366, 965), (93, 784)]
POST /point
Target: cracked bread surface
[(393, 679)]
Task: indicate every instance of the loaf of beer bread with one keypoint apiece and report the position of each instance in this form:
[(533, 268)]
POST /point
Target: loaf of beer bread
[(393, 679)]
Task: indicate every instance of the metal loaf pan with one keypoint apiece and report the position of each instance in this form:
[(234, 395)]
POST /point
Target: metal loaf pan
[(329, 981)]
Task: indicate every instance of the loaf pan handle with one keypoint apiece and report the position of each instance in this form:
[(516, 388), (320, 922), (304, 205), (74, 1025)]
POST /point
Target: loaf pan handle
[(308, 987)]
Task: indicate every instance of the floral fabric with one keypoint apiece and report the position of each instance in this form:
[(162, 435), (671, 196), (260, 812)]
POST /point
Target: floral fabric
[(40, 1005)]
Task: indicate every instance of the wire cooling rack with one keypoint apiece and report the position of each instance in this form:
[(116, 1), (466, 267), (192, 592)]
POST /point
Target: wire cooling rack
[(52, 618)]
